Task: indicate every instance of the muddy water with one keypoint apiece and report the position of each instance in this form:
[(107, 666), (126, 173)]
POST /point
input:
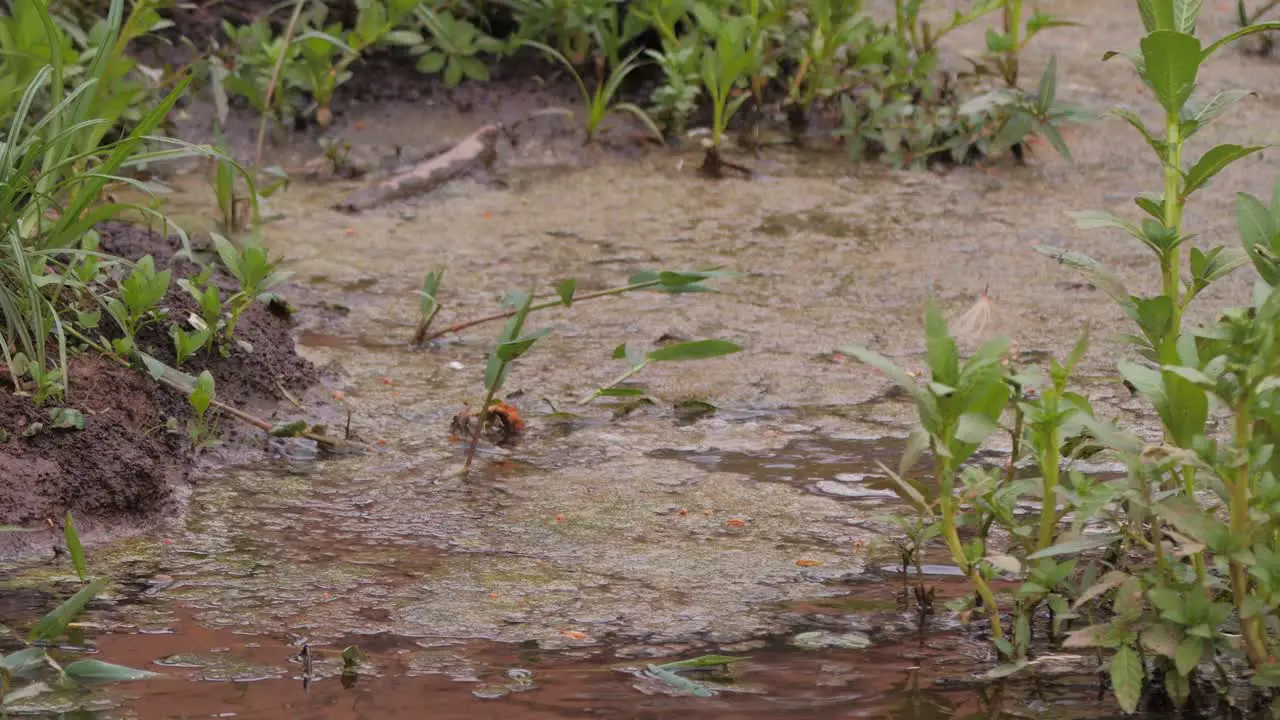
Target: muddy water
[(608, 538)]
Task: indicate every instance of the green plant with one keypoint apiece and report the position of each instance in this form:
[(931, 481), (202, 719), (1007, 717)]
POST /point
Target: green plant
[(326, 52), (202, 395), (566, 295), (257, 52), (1005, 47), (567, 25), (256, 272), (139, 302), (452, 46), (958, 408), (29, 42), (600, 103), (1184, 587), (676, 99), (678, 352), (428, 305), (724, 67), (513, 343), (49, 264), (1230, 361), (832, 28), (34, 670), (910, 113)]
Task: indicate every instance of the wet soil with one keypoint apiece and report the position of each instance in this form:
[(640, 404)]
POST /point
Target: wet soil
[(609, 536), (125, 470)]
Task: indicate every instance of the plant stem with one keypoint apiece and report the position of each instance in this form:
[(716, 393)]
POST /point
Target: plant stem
[(452, 329), (620, 379), (482, 418), (1189, 487), (952, 538), (1251, 628), (1049, 504), (1173, 214), (1013, 22), (275, 78)]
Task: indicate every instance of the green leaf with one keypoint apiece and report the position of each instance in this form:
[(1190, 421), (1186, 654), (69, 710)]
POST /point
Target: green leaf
[(513, 349), (98, 671), (288, 429), (1048, 88), (1127, 676), (23, 661), (1258, 234), (940, 348), (52, 626), (702, 662), (693, 350), (565, 291), (202, 393), (66, 419), (1106, 583), (1185, 14), (1269, 26), (401, 38), (1128, 603), (1075, 546), (679, 682), (1162, 638), (453, 72), (1172, 60), (1190, 519), (1094, 219), (1189, 654), (431, 63), (1213, 162), (1106, 280), (909, 493), (74, 548), (620, 392), (1213, 109), (1191, 375), (973, 428)]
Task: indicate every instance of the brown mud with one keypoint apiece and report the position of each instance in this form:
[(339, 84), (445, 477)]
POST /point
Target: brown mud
[(611, 537), (125, 470)]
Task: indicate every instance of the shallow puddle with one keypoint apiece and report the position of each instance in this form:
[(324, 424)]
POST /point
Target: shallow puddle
[(610, 538), (860, 656)]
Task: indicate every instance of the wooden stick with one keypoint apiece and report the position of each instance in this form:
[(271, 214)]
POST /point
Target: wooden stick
[(474, 151)]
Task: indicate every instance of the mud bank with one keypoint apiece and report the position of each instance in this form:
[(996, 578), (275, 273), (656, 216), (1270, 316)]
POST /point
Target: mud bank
[(126, 470)]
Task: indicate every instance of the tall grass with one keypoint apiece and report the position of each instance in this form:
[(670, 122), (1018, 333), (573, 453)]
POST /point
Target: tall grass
[(53, 173)]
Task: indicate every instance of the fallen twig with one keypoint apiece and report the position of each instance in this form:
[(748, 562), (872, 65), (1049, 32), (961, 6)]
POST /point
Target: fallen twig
[(422, 336), (477, 150)]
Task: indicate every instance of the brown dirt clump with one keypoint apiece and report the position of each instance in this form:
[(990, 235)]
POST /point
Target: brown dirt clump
[(121, 471), (121, 468)]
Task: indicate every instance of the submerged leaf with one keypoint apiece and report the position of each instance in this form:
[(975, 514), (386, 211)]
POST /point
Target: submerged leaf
[(52, 626), (98, 671)]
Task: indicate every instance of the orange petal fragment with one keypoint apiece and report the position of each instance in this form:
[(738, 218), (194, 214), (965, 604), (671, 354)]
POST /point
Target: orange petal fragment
[(808, 563), (574, 635)]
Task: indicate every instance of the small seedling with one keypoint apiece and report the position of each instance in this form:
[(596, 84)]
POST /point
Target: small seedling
[(600, 103), (452, 48), (255, 271), (724, 68), (512, 344), (202, 394), (678, 352), (138, 303), (428, 305)]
